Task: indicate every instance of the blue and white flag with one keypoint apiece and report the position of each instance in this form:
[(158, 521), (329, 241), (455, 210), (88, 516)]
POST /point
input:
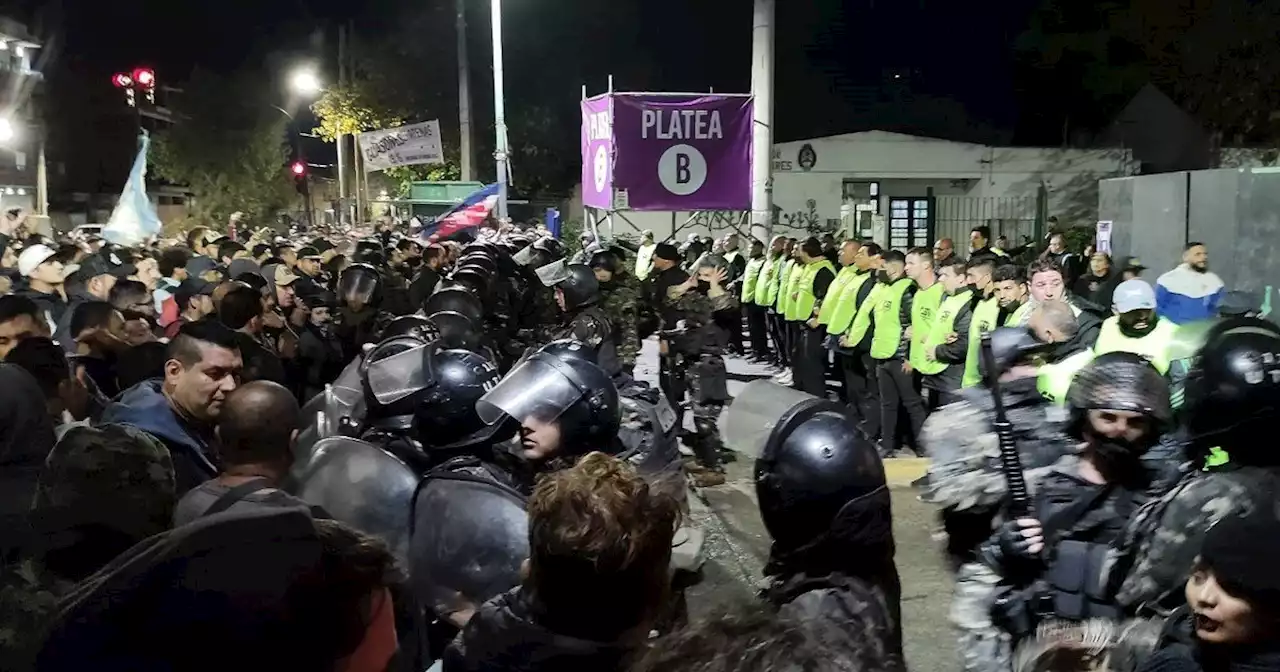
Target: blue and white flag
[(134, 218)]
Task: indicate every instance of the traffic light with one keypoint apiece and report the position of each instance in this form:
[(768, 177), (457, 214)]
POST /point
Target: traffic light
[(299, 168), (145, 77), (121, 80)]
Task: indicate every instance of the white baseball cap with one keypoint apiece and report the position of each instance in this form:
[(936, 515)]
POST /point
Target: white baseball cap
[(32, 257), (1134, 294)]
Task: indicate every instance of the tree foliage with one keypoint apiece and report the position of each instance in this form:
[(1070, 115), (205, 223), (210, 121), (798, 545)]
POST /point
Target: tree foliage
[(228, 148)]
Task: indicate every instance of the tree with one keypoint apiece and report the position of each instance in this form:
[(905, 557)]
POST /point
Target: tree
[(227, 148)]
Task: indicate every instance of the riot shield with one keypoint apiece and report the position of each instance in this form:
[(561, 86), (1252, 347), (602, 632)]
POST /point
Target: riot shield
[(323, 415), (756, 412), (470, 537), (363, 486)]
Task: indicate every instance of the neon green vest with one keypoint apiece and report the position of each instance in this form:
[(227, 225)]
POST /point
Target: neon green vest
[(844, 306), (1016, 318), (767, 283), (1054, 380), (789, 275), (862, 318), (749, 277), (800, 309), (834, 293), (986, 316), (887, 332), (1154, 347), (942, 326), (924, 310)]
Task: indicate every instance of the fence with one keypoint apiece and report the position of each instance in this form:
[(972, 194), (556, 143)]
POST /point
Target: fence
[(1018, 217)]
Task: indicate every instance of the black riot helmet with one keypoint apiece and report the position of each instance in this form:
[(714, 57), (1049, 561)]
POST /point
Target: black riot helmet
[(605, 260), (481, 261), (455, 299), (360, 285), (1120, 381), (817, 480), (369, 251), (1233, 391), (414, 326), (532, 257), (456, 330), (393, 375), (551, 246), (472, 278), (578, 285), (559, 383), (446, 417)]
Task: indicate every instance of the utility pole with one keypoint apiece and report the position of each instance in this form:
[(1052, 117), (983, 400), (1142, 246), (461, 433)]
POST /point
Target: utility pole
[(464, 93), (499, 115), (342, 138), (42, 178), (762, 123)]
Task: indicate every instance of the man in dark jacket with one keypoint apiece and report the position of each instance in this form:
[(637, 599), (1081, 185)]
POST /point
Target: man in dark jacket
[(203, 367), (94, 281), (588, 601), (433, 260)]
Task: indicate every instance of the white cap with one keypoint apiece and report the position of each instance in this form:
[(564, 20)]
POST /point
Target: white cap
[(32, 257), (1134, 294)]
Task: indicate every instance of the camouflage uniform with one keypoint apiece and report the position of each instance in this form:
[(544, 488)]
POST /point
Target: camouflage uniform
[(984, 647), (1162, 541), (110, 477), (700, 347), (620, 300)]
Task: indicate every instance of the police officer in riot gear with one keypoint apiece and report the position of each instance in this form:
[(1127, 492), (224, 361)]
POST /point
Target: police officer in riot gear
[(413, 326), (826, 504), (578, 295), (1232, 395), (360, 315), (1049, 565)]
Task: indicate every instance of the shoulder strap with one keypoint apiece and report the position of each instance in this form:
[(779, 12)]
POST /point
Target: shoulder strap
[(230, 497), (1061, 521)]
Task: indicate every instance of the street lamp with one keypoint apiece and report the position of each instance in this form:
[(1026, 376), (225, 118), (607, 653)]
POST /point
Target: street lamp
[(305, 82), (7, 132)]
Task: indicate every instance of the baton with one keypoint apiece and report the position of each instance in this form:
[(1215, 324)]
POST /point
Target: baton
[(1010, 459)]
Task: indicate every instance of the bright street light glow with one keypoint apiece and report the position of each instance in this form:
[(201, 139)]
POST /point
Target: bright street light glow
[(7, 132), (305, 82)]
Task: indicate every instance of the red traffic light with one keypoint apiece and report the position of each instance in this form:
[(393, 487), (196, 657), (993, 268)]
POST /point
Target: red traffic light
[(144, 76), (298, 168), (121, 80)]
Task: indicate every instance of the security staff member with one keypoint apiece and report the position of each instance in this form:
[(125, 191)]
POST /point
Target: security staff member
[(924, 313), (815, 278), (1011, 287), (1135, 327), (755, 313), (767, 295), (847, 324), (947, 345), (785, 338), (731, 321), (890, 345), (986, 315), (848, 272)]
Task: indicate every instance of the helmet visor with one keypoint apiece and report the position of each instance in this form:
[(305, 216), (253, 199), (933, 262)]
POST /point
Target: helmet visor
[(393, 378), (553, 273), (533, 389)]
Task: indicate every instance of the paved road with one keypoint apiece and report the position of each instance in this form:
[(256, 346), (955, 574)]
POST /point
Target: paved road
[(737, 544)]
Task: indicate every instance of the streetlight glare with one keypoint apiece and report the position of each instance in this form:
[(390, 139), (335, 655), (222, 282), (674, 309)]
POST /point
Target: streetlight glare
[(7, 131), (305, 82)]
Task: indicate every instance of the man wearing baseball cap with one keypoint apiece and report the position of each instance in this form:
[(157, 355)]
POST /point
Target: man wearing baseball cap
[(195, 301), (44, 276), (93, 281), (1135, 327)]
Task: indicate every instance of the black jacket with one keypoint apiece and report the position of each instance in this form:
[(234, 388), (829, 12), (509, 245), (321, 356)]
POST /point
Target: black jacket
[(956, 353), (504, 636)]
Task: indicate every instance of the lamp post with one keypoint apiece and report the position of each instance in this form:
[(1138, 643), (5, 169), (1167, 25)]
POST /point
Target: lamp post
[(303, 83), (499, 114)]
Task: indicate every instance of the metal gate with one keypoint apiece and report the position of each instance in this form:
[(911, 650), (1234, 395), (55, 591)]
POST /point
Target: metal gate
[(1020, 218)]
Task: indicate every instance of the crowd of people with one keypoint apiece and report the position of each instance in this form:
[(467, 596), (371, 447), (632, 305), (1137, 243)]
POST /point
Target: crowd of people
[(386, 452)]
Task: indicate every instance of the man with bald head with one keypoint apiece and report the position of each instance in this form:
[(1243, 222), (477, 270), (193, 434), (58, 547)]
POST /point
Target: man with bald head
[(256, 430)]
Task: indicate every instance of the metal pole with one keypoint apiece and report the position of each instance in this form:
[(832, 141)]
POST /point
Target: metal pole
[(42, 180), (499, 115), (464, 93), (762, 123), (341, 139)]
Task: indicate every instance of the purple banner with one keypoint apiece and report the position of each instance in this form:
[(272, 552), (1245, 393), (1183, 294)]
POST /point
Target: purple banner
[(680, 152), (597, 152)]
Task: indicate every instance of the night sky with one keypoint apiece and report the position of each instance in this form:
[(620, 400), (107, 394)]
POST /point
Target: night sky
[(836, 59)]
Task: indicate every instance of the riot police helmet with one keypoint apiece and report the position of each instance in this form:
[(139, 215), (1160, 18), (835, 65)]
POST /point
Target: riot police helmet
[(712, 261), (553, 247), (456, 330), (360, 285), (413, 326), (605, 260), (578, 286), (1120, 382), (1012, 346), (393, 375), (472, 278), (1233, 391), (369, 251), (814, 475), (557, 386), (446, 418), (481, 261), (456, 299)]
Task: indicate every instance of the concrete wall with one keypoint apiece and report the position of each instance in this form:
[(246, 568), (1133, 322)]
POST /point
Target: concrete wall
[(1235, 213)]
